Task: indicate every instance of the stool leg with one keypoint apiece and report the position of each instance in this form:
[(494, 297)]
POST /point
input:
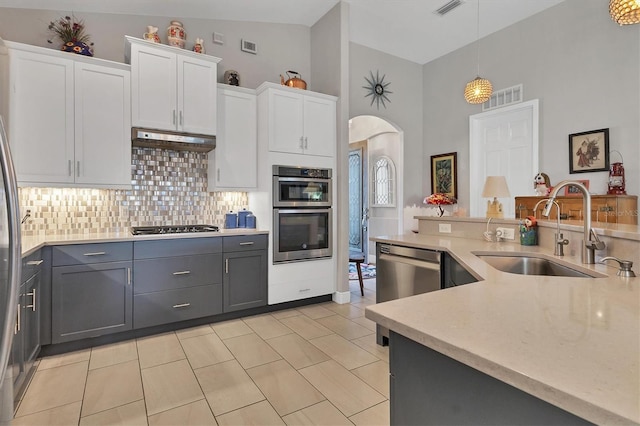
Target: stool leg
[(360, 278)]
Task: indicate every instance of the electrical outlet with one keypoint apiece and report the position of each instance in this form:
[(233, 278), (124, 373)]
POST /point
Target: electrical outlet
[(445, 228), (506, 233)]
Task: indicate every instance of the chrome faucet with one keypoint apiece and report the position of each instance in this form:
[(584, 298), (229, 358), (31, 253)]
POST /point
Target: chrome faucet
[(559, 240), (590, 240)]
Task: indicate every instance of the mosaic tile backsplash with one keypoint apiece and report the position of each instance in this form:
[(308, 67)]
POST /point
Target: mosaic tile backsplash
[(167, 188)]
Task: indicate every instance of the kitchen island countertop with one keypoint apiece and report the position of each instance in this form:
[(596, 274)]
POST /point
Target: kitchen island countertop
[(33, 243), (573, 342)]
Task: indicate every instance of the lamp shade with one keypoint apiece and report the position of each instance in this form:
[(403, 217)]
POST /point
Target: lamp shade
[(625, 12), (478, 91), (496, 187)]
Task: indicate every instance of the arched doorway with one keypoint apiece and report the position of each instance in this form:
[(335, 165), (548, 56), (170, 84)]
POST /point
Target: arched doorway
[(376, 200)]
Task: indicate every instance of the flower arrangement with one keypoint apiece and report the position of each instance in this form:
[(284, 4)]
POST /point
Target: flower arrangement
[(71, 32), (439, 199)]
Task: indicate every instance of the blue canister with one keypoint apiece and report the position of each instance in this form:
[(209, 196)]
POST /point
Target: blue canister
[(251, 221), (242, 218), (231, 220)]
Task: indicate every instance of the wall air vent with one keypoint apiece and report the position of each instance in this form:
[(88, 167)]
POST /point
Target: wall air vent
[(447, 7)]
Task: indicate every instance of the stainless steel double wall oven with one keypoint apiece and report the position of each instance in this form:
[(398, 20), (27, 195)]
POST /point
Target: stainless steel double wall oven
[(302, 213)]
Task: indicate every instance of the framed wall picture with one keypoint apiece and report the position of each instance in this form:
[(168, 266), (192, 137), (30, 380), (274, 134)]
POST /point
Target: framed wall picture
[(572, 190), (589, 151), (444, 174)]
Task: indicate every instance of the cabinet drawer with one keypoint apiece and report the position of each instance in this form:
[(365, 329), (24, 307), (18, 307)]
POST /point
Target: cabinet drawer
[(176, 272), (179, 247), (168, 306), (31, 265), (79, 254), (245, 243)]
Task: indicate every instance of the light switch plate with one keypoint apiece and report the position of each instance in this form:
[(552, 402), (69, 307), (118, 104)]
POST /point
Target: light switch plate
[(445, 228)]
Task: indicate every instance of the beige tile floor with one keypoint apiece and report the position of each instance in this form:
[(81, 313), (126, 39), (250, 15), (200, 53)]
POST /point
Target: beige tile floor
[(314, 365)]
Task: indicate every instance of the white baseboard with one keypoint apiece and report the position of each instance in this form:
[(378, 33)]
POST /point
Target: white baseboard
[(342, 297)]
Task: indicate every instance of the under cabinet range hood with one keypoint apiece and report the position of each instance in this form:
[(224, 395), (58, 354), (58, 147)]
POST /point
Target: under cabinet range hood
[(177, 141)]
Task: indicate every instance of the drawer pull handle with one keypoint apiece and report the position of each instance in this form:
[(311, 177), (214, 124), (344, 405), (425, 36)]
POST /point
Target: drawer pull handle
[(247, 243), (304, 289), (33, 301), (97, 253), (35, 262), (182, 273), (182, 305)]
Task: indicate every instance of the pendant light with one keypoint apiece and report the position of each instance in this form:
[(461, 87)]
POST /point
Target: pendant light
[(479, 89), (625, 12)]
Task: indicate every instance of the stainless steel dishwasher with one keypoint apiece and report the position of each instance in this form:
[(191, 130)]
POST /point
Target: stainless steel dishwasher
[(402, 272)]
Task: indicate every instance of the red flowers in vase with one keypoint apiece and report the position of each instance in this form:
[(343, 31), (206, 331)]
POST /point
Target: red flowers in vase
[(439, 199)]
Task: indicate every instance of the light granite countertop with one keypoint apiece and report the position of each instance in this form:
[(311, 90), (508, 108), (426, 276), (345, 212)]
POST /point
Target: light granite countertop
[(33, 243), (573, 342)]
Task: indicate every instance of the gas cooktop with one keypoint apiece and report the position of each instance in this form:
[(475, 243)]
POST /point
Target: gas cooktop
[(172, 229)]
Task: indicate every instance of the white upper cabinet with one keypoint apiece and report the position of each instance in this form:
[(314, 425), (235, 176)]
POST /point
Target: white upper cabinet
[(298, 121), (102, 116), (69, 118), (172, 89), (233, 165)]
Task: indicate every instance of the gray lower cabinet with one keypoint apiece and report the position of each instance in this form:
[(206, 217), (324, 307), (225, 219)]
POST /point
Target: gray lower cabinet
[(26, 339), (245, 272), (429, 388), (176, 280), (91, 290)]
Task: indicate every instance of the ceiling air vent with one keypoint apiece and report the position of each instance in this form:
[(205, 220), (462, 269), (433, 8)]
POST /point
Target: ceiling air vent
[(448, 7)]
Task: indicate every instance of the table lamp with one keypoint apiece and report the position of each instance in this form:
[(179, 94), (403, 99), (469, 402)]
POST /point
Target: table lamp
[(496, 187)]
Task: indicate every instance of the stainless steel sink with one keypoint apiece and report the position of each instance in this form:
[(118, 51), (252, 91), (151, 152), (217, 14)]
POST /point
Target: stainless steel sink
[(532, 265)]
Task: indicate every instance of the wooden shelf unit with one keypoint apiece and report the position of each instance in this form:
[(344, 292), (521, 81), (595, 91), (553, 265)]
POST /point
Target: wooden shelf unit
[(604, 208)]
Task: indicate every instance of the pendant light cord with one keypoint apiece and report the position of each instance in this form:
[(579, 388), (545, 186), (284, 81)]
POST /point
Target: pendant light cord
[(478, 38)]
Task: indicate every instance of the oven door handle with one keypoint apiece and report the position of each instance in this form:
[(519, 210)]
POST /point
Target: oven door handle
[(320, 210)]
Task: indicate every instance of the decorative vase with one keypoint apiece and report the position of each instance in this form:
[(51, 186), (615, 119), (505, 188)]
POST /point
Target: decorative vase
[(152, 34), (199, 46), (79, 47), (176, 34)]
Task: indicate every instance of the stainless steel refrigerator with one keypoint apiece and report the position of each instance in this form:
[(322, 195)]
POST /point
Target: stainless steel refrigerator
[(10, 264)]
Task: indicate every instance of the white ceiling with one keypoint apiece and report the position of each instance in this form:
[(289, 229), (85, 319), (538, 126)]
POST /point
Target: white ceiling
[(408, 29)]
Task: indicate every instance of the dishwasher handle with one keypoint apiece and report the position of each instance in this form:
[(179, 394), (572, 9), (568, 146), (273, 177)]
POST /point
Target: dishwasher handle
[(434, 266), (433, 256)]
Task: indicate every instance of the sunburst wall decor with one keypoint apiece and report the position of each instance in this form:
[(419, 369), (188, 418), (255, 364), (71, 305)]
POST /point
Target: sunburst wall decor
[(377, 89)]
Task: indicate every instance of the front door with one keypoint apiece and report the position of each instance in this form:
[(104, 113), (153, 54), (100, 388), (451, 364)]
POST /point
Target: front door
[(358, 206), (503, 142)]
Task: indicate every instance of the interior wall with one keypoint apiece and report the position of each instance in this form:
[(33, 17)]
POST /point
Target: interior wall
[(280, 47), (330, 70), (404, 109), (581, 65)]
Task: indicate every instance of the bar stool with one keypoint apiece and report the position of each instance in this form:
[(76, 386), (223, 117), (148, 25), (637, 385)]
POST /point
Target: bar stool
[(357, 258)]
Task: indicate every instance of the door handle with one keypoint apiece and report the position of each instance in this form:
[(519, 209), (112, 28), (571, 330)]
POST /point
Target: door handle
[(182, 305), (182, 273), (97, 253), (174, 117), (33, 301), (35, 262), (226, 266), (247, 243), (78, 168), (181, 119), (128, 276)]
